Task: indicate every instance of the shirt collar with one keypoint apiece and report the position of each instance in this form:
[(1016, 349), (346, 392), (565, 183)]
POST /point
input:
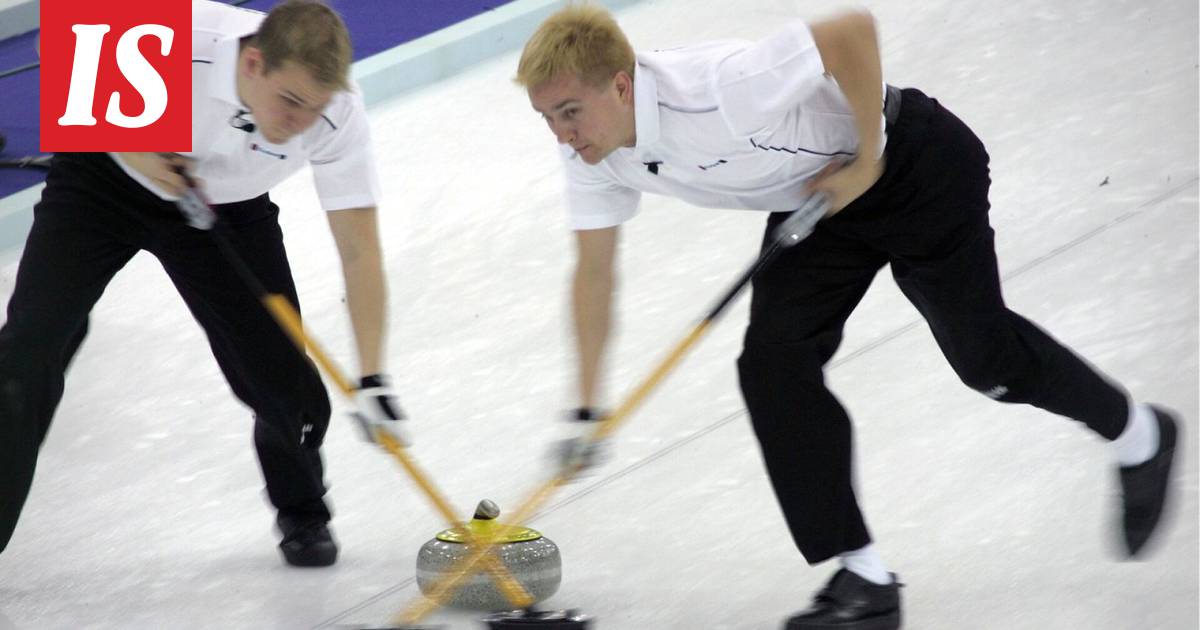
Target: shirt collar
[(223, 79), (645, 112)]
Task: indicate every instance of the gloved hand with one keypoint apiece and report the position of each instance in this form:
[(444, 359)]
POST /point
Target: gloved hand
[(195, 211), (576, 453), (378, 410), (803, 220), (191, 204)]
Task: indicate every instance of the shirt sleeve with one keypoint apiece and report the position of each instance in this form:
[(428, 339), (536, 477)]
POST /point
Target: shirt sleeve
[(594, 200), (343, 164), (755, 84)]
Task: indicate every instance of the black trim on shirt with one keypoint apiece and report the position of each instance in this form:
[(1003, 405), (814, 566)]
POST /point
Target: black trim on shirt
[(329, 121), (797, 150), (688, 110)]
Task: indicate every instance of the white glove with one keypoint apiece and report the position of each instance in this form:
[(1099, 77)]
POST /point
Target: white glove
[(197, 213), (378, 411), (576, 452)]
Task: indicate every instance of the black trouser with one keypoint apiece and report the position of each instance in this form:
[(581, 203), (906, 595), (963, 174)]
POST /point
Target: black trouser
[(928, 218), (91, 220)]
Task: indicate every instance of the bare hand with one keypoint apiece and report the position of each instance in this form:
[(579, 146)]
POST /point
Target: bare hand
[(845, 181), (161, 168)]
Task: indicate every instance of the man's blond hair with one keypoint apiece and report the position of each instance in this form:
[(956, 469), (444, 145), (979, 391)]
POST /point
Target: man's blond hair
[(581, 40), (311, 34)]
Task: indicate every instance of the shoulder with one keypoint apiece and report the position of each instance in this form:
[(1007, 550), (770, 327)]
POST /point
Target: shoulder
[(345, 110), (581, 175), (342, 130), (685, 75), (215, 21), (209, 14)]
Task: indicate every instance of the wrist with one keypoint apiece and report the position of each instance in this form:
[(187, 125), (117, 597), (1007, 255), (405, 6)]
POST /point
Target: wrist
[(868, 160), (584, 414), (375, 380), (868, 169)]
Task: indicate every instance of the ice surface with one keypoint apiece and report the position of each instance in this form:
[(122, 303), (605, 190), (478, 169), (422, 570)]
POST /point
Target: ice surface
[(147, 511)]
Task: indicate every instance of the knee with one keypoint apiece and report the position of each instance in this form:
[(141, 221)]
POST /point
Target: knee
[(990, 387), (776, 380), (760, 362), (763, 361), (29, 342), (990, 375), (289, 391), (296, 422)]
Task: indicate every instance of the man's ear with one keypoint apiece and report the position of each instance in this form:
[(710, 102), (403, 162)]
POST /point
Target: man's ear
[(624, 85), (251, 62)]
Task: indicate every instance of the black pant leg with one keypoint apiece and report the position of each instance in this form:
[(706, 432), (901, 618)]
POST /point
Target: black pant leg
[(263, 367), (799, 307), (80, 237), (943, 257)]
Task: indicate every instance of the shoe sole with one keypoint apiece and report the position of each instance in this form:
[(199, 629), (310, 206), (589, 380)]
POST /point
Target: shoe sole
[(310, 560), (890, 621)]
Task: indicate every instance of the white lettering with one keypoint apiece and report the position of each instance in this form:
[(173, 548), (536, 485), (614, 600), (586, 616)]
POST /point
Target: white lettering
[(144, 78), (89, 38)]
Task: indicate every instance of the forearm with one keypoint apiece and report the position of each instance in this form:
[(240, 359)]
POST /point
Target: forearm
[(356, 233), (849, 49), (591, 301), (366, 301)]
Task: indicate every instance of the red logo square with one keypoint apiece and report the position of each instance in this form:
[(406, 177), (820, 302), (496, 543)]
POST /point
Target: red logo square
[(116, 75)]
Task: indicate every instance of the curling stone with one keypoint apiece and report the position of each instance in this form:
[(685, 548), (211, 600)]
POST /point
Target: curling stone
[(531, 558)]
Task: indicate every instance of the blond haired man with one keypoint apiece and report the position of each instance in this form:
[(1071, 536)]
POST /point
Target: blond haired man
[(761, 126), (270, 94)]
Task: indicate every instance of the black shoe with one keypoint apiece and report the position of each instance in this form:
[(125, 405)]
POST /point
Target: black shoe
[(306, 541), (849, 602), (1144, 486)]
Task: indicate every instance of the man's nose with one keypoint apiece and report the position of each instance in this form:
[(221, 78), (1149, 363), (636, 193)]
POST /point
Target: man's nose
[(300, 122), (564, 133)]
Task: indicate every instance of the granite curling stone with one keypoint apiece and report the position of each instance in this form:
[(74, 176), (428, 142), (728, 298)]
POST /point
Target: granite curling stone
[(533, 560)]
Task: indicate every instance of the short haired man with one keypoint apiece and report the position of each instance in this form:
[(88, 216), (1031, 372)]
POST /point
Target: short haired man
[(761, 126), (270, 94)]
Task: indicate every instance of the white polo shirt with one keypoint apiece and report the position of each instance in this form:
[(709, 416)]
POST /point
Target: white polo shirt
[(236, 164), (731, 124)]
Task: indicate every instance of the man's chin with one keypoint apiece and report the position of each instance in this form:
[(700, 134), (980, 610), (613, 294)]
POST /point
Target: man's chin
[(590, 156), (276, 138)]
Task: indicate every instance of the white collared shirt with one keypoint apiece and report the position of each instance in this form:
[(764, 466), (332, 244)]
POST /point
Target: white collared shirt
[(236, 164), (731, 124)]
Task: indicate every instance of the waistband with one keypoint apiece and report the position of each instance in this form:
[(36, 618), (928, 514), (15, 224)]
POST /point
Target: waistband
[(891, 105)]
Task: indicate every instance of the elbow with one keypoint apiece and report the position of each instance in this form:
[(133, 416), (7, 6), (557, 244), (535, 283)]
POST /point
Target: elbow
[(860, 26), (864, 25), (862, 19), (855, 23), (844, 33)]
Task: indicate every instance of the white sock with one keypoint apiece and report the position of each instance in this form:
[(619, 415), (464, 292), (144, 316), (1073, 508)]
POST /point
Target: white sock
[(1139, 441), (867, 564)]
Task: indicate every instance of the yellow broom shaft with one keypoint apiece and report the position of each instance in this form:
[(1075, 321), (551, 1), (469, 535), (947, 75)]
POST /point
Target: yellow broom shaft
[(289, 320), (639, 395), (468, 565), (512, 589)]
